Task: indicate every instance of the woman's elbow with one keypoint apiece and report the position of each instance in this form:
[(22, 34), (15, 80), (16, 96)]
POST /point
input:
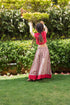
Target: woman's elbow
[(32, 34)]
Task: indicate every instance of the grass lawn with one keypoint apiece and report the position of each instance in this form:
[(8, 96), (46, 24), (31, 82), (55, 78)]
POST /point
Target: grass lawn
[(16, 90)]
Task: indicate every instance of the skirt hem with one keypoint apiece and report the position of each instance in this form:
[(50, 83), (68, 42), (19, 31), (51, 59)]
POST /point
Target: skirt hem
[(34, 77)]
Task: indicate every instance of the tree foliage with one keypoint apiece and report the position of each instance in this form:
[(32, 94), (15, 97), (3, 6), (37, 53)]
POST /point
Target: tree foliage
[(29, 5), (11, 4), (36, 5), (32, 5)]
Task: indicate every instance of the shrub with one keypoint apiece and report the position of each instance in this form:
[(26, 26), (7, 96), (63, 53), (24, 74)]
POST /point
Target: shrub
[(13, 52), (59, 53), (58, 22), (12, 25), (36, 16), (19, 52), (56, 18)]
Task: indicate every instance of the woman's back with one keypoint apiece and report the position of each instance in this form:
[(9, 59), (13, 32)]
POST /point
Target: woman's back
[(36, 35)]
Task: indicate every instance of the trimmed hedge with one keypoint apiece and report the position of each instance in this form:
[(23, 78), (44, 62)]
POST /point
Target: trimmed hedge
[(35, 17), (21, 53), (59, 54)]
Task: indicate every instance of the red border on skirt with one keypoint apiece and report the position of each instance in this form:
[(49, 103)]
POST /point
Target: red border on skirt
[(34, 77)]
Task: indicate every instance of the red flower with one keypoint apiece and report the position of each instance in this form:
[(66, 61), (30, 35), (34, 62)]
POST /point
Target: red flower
[(55, 73), (62, 73)]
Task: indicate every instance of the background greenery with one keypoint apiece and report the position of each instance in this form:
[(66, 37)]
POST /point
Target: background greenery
[(21, 53), (14, 17), (14, 26), (33, 5)]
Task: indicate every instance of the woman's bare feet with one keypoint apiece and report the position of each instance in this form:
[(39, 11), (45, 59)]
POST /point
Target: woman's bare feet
[(29, 80)]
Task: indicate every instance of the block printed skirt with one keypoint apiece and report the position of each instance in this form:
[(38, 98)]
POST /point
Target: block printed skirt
[(41, 67)]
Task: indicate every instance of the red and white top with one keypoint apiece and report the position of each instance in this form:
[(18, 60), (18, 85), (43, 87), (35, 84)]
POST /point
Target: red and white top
[(36, 35)]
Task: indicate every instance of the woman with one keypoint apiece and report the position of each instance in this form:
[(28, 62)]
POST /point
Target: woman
[(41, 67)]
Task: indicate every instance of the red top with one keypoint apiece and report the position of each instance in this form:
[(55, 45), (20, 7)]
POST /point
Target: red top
[(36, 35)]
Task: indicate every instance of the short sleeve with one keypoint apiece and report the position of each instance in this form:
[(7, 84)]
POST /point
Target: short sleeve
[(45, 32)]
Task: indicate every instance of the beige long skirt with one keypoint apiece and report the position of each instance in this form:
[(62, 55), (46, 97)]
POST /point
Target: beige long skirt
[(41, 67)]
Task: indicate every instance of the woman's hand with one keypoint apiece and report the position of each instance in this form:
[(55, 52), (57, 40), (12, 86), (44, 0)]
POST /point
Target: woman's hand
[(45, 27), (42, 22)]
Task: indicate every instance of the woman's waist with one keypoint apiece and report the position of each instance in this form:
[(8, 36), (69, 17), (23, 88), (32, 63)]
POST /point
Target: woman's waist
[(42, 45)]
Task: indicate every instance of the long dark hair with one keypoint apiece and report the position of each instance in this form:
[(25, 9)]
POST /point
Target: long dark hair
[(39, 28)]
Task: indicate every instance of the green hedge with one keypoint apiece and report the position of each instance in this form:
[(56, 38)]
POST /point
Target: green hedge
[(20, 52), (35, 17), (59, 54)]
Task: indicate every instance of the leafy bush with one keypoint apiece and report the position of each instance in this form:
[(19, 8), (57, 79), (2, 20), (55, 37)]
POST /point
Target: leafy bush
[(12, 25), (13, 52), (58, 22), (36, 16), (59, 53), (21, 53)]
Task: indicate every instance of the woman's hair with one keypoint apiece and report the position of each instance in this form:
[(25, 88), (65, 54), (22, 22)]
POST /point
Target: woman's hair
[(39, 28)]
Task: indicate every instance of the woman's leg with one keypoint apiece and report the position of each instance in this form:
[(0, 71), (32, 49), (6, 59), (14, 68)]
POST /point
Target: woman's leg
[(35, 66)]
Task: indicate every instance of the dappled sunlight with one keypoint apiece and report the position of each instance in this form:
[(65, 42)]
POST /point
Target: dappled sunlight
[(11, 77), (54, 78)]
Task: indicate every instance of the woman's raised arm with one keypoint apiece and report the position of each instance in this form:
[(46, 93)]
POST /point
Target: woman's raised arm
[(45, 27), (31, 28)]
